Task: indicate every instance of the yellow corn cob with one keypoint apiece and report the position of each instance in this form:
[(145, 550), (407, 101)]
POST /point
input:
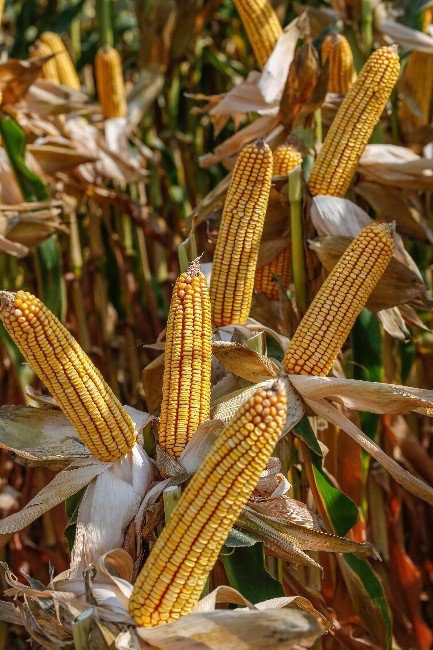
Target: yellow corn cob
[(336, 50), (332, 314), (65, 67), (109, 82), (285, 158), (77, 386), (237, 247), (49, 69), (171, 581), (261, 25), (427, 18), (281, 265), (419, 77), (188, 360), (353, 125)]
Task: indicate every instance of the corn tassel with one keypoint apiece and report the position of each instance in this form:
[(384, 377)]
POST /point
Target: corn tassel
[(353, 124), (261, 25), (336, 50), (237, 247), (109, 82), (332, 314), (285, 158), (49, 69), (173, 577), (77, 386), (188, 360), (65, 68)]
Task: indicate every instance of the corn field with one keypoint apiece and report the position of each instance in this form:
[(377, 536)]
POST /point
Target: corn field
[(216, 324)]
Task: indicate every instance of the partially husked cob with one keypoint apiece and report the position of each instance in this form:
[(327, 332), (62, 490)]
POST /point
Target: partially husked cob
[(65, 68), (188, 361), (237, 247), (350, 131), (49, 69), (285, 158), (61, 364), (109, 82), (332, 314), (261, 25), (173, 577), (341, 72)]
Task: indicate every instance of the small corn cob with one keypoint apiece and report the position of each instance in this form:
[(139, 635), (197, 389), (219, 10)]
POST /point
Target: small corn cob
[(427, 18), (237, 247), (173, 577), (332, 314), (419, 77), (109, 82), (49, 69), (188, 360), (336, 50), (77, 386), (353, 124), (281, 265), (65, 68), (285, 158), (261, 25)]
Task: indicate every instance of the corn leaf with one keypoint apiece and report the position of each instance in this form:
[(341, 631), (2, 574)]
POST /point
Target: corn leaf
[(246, 571)]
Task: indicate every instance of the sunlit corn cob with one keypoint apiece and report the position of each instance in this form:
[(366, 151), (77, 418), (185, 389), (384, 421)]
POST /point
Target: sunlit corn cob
[(261, 25), (332, 314), (173, 577), (188, 360), (77, 386), (109, 82), (285, 158), (49, 69), (336, 50), (419, 78), (427, 18), (281, 265), (237, 247), (353, 124), (65, 67)]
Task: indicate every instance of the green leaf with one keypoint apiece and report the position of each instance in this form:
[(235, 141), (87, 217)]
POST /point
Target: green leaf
[(238, 538), (60, 21), (72, 505), (413, 15), (246, 571), (368, 597), (305, 432)]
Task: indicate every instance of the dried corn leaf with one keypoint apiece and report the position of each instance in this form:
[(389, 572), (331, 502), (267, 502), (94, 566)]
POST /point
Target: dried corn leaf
[(244, 362)]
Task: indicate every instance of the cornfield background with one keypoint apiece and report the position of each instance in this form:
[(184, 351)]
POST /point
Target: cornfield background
[(100, 213)]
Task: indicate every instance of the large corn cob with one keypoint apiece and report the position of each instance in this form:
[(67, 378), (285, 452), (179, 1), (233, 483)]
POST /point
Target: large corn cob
[(285, 158), (188, 360), (332, 314), (237, 247), (77, 386), (171, 581), (336, 50), (109, 82), (353, 125), (261, 25), (49, 69), (65, 68)]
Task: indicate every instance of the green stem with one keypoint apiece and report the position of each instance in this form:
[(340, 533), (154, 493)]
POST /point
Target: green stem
[(105, 27), (358, 59), (367, 26), (295, 198), (318, 128)]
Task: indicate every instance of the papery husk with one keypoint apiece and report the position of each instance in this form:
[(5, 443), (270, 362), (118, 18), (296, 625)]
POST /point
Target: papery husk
[(25, 225), (403, 35), (397, 166), (46, 98), (397, 286), (244, 362), (17, 76), (57, 158), (394, 203)]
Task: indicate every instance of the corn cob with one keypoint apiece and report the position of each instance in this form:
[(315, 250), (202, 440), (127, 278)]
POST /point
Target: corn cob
[(171, 581), (237, 247), (188, 360), (419, 77), (77, 386), (353, 125), (261, 25), (285, 158), (336, 50), (427, 18), (332, 314), (281, 265), (65, 67), (49, 69), (109, 82)]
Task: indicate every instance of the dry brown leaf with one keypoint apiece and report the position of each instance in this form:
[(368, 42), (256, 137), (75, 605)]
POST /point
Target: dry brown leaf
[(17, 76), (300, 84), (244, 362), (152, 378)]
